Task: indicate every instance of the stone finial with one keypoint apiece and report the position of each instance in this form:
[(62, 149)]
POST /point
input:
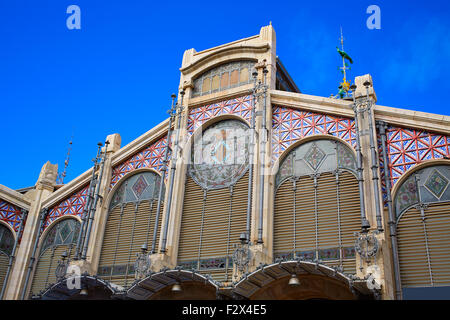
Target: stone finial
[(188, 57), (361, 89), (188, 84), (268, 33), (48, 175), (115, 141)]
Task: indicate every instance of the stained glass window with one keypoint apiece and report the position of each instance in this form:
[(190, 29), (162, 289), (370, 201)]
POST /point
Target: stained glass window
[(64, 232), (6, 240), (220, 156), (223, 77), (141, 186), (428, 185), (316, 157)]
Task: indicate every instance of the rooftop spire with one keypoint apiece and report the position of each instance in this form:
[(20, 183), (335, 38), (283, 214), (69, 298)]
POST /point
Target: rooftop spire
[(62, 175), (344, 85)]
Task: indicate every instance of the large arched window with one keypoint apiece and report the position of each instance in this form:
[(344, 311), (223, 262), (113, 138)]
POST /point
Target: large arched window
[(215, 199), (225, 76), (130, 224), (422, 206), (317, 208), (62, 237), (6, 247)]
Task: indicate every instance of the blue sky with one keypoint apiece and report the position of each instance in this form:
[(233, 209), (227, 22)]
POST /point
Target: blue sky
[(117, 73)]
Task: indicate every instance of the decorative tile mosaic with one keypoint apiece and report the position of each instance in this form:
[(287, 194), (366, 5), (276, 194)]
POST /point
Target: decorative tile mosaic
[(150, 157), (213, 263), (239, 106), (436, 183), (349, 253), (189, 265), (314, 156), (329, 254), (10, 214), (409, 147), (290, 125), (73, 205), (220, 155), (139, 186)]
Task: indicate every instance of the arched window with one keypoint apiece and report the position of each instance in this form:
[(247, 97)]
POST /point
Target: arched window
[(215, 199), (6, 247), (422, 206), (225, 76), (316, 208), (62, 237), (130, 224)]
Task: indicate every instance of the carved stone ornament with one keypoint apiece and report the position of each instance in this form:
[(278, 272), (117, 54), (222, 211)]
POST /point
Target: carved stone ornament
[(366, 245), (241, 257), (142, 265)]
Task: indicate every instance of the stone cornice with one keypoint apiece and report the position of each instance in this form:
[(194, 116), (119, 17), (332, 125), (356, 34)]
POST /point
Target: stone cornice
[(68, 189), (14, 197), (225, 95), (393, 116), (413, 119), (144, 140), (312, 103), (226, 51)]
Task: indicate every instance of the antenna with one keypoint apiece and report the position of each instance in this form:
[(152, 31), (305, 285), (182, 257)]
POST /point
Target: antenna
[(62, 175)]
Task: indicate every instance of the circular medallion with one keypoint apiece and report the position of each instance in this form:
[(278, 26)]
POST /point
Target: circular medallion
[(219, 157)]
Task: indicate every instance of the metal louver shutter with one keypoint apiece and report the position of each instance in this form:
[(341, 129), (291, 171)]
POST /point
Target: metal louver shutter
[(127, 229), (4, 260), (438, 231), (349, 205), (412, 246), (207, 229), (333, 230), (44, 274)]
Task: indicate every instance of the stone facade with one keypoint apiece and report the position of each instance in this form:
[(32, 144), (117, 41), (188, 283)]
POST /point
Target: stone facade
[(414, 140)]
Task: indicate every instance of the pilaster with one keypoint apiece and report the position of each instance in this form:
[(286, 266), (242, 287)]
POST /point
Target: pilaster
[(101, 212), (380, 264), (44, 187)]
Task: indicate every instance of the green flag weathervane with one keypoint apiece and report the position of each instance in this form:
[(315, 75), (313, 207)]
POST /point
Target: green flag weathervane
[(344, 85)]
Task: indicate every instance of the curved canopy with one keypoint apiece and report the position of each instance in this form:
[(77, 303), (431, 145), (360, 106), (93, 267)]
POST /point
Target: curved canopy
[(60, 290), (265, 276), (155, 283)]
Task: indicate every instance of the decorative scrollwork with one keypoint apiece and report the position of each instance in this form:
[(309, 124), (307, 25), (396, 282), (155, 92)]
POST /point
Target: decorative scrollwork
[(241, 257), (366, 245), (142, 264), (61, 268)]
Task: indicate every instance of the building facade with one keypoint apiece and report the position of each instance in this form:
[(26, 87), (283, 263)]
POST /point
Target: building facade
[(249, 190)]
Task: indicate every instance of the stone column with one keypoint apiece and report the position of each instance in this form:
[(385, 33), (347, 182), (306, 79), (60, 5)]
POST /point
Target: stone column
[(90, 265), (378, 266), (44, 187)]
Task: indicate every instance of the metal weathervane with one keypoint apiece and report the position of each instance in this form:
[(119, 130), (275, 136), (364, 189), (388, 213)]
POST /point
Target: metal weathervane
[(344, 85)]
